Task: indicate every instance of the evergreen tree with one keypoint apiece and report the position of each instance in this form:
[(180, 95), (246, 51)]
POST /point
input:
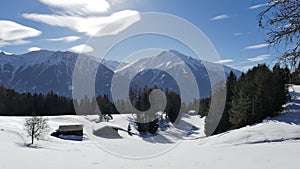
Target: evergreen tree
[(240, 104), (173, 106), (258, 94), (224, 123), (280, 92)]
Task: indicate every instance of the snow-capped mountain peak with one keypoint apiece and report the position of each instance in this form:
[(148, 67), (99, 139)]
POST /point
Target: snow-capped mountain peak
[(44, 71), (151, 71)]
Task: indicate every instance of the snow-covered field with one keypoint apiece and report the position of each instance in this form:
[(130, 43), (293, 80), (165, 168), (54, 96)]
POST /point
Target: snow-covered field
[(274, 143)]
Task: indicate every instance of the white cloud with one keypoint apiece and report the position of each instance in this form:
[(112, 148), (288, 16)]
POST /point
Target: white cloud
[(13, 43), (259, 58), (87, 16), (115, 2), (106, 25), (34, 49), (224, 61), (82, 48), (12, 33), (66, 39), (257, 6), (3, 43), (79, 7), (220, 17), (19, 42), (241, 33), (256, 46)]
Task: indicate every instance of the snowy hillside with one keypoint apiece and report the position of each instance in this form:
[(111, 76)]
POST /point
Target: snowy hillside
[(274, 143)]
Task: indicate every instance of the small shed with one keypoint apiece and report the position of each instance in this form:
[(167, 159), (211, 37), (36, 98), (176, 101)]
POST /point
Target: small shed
[(69, 130), (107, 130)]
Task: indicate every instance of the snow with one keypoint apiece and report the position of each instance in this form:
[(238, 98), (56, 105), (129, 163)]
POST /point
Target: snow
[(6, 53), (274, 143)]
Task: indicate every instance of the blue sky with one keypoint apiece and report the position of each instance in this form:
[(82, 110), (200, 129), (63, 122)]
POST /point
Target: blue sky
[(231, 25)]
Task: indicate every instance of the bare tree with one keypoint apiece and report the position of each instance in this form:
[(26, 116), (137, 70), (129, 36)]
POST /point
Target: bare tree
[(281, 19), (36, 127)]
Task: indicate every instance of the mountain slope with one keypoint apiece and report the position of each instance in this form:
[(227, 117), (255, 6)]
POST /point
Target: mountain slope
[(156, 70), (45, 71)]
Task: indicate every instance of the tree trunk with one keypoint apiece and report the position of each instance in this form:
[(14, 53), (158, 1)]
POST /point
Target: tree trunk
[(32, 135)]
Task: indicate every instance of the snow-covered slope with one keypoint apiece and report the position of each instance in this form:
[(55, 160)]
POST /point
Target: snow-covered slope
[(156, 71), (283, 128), (44, 71), (273, 143)]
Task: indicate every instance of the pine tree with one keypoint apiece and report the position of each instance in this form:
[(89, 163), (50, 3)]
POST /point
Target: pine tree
[(173, 106), (224, 123), (257, 95), (280, 93), (240, 104)]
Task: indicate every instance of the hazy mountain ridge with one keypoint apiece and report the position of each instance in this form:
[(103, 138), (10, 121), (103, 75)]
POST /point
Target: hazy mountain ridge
[(44, 71), (152, 71)]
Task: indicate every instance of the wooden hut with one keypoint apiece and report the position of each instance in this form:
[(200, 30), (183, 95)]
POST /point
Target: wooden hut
[(74, 130)]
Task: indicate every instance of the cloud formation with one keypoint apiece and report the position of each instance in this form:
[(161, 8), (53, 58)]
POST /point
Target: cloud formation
[(86, 16), (259, 58), (257, 6), (67, 39), (224, 61), (220, 17), (241, 33), (263, 45), (12, 33), (34, 49), (79, 7), (82, 48)]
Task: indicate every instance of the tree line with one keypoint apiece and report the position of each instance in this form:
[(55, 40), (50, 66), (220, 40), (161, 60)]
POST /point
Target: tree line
[(257, 94), (13, 103)]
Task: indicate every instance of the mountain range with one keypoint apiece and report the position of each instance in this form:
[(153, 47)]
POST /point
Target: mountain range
[(44, 71)]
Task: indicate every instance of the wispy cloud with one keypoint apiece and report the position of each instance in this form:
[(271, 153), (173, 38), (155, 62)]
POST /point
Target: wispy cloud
[(81, 7), (263, 45), (220, 17), (257, 6), (13, 43), (19, 42), (86, 16), (241, 33), (34, 49), (82, 48), (66, 39), (12, 33), (259, 58), (224, 61), (3, 43)]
